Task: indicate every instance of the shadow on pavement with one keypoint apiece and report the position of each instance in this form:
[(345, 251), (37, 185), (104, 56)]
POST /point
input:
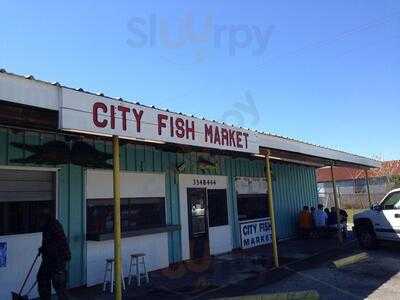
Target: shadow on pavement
[(252, 272)]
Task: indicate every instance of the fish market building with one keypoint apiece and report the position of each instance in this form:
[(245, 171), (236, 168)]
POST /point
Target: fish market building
[(189, 187)]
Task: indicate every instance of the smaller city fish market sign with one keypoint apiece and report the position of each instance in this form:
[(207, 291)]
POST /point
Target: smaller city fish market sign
[(255, 233), (103, 116)]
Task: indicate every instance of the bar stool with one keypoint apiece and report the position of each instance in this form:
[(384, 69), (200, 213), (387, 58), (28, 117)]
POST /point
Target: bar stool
[(137, 260), (109, 275)]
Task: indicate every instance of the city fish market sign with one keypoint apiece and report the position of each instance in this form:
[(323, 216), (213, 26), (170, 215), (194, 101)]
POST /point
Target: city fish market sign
[(255, 233), (100, 115)]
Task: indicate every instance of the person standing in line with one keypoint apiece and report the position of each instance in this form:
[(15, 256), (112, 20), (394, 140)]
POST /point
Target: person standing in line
[(321, 220), (312, 210), (305, 222), (55, 255), (343, 222)]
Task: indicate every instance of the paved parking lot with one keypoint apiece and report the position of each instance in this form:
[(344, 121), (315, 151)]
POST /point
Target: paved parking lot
[(376, 278), (306, 265)]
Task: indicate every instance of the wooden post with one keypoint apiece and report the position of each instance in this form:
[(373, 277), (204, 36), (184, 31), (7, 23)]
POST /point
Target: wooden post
[(368, 190), (117, 220), (335, 197), (271, 210)]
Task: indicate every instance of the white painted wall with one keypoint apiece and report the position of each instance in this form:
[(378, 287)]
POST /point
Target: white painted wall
[(155, 246), (251, 185), (99, 184), (220, 237), (29, 92), (22, 249)]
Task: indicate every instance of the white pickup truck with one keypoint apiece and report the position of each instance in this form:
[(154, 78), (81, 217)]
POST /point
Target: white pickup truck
[(381, 222)]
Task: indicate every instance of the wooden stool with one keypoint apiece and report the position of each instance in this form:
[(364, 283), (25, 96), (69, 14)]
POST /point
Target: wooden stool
[(137, 260), (109, 275)]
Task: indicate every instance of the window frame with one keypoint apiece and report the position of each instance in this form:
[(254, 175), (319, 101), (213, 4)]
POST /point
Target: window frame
[(55, 174), (211, 224), (382, 204), (130, 203), (262, 197)]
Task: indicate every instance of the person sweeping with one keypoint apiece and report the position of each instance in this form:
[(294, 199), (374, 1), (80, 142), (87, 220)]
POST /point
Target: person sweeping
[(55, 256)]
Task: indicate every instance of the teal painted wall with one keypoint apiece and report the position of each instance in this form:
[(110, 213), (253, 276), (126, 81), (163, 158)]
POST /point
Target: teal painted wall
[(293, 187), (70, 195)]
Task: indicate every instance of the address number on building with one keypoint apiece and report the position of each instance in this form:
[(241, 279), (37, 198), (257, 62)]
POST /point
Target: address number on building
[(204, 182), (255, 233)]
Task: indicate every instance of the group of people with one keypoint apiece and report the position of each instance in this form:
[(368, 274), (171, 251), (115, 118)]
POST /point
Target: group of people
[(321, 222)]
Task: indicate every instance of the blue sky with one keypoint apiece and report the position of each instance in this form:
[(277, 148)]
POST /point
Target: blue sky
[(323, 72)]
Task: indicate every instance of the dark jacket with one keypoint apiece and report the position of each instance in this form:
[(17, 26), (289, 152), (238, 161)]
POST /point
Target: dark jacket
[(55, 249)]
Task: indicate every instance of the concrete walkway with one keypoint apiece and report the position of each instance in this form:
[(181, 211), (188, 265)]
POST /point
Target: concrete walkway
[(213, 276)]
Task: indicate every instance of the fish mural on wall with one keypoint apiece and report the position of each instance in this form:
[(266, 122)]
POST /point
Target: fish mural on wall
[(59, 152), (207, 165)]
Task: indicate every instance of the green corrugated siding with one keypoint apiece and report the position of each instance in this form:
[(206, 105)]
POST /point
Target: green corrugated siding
[(293, 186), (70, 196)]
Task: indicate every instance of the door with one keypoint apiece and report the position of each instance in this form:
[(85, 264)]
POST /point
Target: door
[(198, 223), (387, 221)]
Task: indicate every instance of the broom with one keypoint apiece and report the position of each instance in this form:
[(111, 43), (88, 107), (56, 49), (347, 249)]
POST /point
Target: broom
[(18, 296)]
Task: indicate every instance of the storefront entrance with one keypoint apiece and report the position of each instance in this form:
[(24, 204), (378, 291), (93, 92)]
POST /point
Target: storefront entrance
[(204, 216), (198, 223)]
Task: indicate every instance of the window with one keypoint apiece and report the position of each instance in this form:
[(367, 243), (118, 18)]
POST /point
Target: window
[(360, 186), (217, 207), (23, 196), (392, 201), (252, 206), (136, 214)]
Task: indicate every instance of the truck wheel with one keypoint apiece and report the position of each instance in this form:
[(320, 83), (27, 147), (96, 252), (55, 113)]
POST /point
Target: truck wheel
[(366, 238)]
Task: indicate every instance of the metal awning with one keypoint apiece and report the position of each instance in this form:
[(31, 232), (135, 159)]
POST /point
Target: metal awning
[(30, 92)]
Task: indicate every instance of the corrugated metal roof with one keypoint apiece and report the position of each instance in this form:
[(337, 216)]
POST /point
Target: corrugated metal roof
[(388, 168)]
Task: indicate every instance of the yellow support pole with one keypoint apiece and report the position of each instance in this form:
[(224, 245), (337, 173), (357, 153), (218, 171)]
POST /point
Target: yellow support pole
[(271, 210), (368, 190), (340, 237), (117, 220)]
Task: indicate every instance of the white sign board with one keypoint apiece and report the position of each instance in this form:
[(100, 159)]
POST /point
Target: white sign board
[(104, 116), (255, 233), (250, 185)]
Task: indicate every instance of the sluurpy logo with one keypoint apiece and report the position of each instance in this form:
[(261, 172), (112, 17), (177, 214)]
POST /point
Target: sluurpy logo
[(242, 113), (200, 36)]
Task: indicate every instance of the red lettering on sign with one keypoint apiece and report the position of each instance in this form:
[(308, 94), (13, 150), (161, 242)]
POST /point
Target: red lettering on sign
[(161, 122), (124, 110), (138, 118), (239, 139), (180, 130), (224, 136), (190, 130), (217, 139), (246, 135), (96, 107), (112, 116), (171, 126), (208, 134), (232, 138)]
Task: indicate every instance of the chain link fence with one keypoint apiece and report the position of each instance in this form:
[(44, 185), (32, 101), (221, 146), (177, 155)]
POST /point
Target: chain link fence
[(350, 201)]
